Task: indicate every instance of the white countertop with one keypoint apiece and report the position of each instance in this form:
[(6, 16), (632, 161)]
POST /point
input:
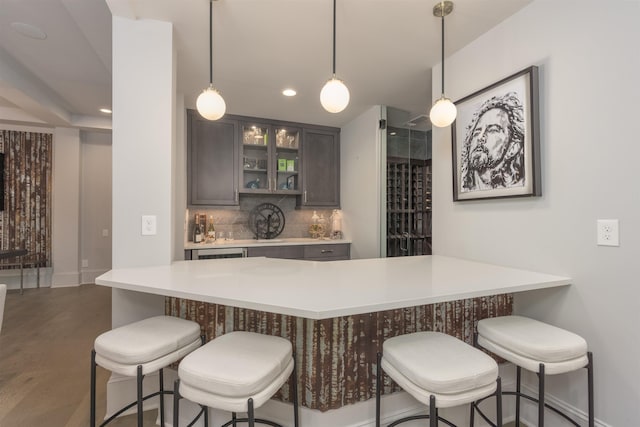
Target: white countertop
[(322, 290), (246, 243)]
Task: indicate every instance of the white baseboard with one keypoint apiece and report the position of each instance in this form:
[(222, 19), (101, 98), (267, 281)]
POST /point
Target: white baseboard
[(529, 411), (89, 276), (60, 280)]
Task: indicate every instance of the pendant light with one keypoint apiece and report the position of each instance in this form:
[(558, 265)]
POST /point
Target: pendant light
[(334, 96), (443, 112), (210, 104)]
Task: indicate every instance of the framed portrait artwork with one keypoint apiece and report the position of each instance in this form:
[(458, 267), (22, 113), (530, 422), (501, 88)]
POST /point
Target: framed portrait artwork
[(496, 140)]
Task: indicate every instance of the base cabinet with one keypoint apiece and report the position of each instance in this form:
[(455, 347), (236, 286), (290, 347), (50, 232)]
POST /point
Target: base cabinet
[(286, 252), (328, 252)]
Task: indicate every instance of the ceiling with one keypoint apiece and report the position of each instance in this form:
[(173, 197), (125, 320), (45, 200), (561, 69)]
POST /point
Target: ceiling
[(385, 52)]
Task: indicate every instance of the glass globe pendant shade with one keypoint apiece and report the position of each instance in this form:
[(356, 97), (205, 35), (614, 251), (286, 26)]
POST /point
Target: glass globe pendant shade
[(443, 112), (210, 104), (334, 96)]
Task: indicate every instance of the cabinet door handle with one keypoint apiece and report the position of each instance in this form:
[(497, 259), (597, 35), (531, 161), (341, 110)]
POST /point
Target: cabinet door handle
[(326, 251), (405, 238), (275, 184), (305, 196), (235, 196)]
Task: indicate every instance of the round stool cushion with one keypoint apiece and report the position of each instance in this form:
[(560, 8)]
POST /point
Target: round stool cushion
[(528, 342), (146, 341), (436, 363), (230, 369)]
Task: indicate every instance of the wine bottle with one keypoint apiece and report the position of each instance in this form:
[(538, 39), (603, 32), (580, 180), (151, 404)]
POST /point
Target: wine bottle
[(197, 233)]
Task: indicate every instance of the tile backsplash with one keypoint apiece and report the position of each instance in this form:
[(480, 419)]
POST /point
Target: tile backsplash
[(297, 221)]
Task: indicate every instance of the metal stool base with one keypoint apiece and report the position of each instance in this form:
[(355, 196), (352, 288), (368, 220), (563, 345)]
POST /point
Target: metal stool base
[(542, 405)]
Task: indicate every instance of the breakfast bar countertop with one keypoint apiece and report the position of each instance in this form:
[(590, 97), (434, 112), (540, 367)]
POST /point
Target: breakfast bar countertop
[(323, 290)]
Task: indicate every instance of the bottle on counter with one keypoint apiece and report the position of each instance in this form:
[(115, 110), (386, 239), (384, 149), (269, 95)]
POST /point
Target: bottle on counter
[(336, 224), (211, 230), (197, 233)]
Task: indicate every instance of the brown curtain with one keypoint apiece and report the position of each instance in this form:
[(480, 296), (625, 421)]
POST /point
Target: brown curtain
[(25, 221)]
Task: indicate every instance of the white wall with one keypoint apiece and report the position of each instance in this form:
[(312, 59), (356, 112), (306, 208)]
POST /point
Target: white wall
[(360, 174), (589, 66), (66, 207), (95, 204), (143, 135)]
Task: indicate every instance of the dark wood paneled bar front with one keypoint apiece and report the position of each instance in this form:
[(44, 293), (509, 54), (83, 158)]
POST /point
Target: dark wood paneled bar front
[(336, 357)]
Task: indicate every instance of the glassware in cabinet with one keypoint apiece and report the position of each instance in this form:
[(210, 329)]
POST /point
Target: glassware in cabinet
[(255, 176), (287, 160)]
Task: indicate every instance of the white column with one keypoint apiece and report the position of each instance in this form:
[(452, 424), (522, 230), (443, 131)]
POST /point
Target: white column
[(143, 141), (143, 169), (143, 137), (66, 207)]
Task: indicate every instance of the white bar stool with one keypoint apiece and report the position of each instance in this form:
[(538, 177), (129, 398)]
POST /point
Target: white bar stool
[(440, 371), (139, 349), (537, 347), (236, 372)]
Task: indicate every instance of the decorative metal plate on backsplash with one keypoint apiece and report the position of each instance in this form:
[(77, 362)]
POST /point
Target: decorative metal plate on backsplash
[(266, 221)]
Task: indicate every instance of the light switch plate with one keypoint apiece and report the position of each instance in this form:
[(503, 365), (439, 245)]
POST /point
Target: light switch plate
[(608, 232), (148, 225)]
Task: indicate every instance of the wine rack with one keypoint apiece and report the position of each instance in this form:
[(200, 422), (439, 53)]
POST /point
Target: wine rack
[(408, 207)]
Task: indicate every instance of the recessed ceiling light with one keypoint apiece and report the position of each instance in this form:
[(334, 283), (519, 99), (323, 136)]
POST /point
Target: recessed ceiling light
[(105, 110), (392, 133), (28, 30), (289, 92)]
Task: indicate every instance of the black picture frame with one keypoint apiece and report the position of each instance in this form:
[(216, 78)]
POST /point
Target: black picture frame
[(496, 140)]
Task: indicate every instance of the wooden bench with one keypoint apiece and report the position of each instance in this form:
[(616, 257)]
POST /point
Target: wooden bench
[(21, 258)]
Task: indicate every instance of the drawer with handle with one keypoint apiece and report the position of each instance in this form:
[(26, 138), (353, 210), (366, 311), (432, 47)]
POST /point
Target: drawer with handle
[(330, 251)]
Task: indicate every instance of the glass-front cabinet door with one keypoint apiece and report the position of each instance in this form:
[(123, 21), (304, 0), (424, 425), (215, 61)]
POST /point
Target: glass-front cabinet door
[(255, 176), (270, 159), (287, 160)]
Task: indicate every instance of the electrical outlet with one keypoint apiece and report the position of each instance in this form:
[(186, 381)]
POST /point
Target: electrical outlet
[(85, 263), (608, 232), (148, 225), (105, 232)]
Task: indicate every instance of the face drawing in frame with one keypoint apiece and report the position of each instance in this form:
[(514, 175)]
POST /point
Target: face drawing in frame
[(492, 155)]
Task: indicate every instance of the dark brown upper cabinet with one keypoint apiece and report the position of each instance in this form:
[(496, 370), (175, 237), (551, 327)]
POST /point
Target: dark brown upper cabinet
[(246, 155), (321, 172), (212, 161)]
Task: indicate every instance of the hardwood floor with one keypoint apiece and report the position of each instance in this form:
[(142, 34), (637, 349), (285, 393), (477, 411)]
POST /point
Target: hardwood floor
[(45, 348)]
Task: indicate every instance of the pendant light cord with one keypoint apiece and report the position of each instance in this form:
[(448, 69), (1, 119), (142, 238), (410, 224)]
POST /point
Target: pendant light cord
[(442, 45), (334, 38), (210, 42)]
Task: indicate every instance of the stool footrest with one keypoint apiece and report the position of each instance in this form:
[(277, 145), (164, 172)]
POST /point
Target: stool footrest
[(132, 404), (419, 417), (526, 396), (256, 420)]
